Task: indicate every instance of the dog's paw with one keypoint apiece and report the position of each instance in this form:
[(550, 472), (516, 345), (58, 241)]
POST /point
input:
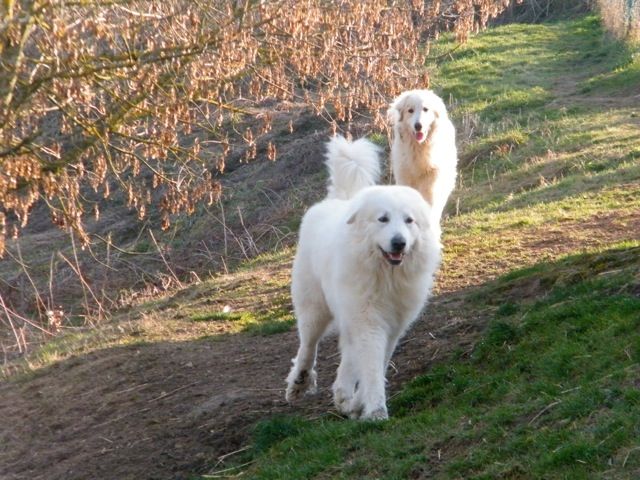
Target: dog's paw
[(379, 413), (343, 401), (300, 384)]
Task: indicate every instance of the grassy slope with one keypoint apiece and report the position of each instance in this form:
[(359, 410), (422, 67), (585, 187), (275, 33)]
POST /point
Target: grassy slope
[(254, 299), (550, 136), (551, 391)]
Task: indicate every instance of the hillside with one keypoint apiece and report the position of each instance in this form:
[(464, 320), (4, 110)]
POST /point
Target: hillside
[(524, 365)]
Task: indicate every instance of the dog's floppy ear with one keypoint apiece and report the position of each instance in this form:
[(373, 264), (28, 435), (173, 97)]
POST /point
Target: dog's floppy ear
[(394, 115), (439, 108), (422, 216), (353, 214)]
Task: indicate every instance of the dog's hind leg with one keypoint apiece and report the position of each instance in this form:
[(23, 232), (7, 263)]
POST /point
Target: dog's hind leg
[(313, 320), (391, 346)]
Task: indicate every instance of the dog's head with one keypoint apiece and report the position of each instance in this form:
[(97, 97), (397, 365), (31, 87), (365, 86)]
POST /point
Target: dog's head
[(415, 113), (389, 221)]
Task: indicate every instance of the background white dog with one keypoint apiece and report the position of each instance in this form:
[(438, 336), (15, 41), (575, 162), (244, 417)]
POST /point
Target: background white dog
[(423, 151), (366, 259)]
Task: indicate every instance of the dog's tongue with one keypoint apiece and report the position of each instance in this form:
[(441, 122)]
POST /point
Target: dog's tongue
[(419, 136), (395, 256)]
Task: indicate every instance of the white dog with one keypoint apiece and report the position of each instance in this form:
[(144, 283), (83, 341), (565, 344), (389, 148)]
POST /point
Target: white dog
[(365, 262), (423, 151)]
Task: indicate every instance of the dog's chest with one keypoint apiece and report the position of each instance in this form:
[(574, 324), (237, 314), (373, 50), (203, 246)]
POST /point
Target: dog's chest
[(393, 294)]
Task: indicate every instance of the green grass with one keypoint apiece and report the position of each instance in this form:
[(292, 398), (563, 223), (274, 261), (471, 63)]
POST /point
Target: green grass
[(624, 77), (274, 320), (531, 131), (277, 318), (550, 391)]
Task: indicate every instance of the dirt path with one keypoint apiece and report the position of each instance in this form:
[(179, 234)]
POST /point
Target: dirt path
[(166, 410)]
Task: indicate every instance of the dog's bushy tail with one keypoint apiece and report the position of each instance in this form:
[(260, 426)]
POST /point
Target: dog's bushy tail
[(352, 166)]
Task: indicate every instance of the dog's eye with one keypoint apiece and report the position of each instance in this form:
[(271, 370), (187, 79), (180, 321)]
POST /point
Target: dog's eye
[(383, 219), (425, 109), (409, 220), (410, 110)]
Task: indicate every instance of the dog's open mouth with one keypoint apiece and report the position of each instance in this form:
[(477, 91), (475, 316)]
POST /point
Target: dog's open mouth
[(393, 258), (419, 136)]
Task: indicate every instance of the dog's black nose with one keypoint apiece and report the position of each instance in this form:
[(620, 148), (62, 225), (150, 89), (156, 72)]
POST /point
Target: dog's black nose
[(397, 244), (418, 126)]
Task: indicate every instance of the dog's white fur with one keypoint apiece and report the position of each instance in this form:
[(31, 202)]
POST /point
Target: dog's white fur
[(423, 151), (343, 275)]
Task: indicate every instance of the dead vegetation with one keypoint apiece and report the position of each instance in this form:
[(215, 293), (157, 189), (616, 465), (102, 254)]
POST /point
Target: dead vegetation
[(117, 120)]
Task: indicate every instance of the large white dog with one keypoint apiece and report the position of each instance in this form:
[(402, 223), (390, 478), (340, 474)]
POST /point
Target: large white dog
[(423, 151), (365, 262)]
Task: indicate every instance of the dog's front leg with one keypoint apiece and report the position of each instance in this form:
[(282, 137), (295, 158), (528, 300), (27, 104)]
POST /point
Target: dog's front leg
[(344, 387), (366, 353)]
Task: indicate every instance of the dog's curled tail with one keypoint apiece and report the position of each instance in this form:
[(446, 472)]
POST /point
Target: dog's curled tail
[(352, 166)]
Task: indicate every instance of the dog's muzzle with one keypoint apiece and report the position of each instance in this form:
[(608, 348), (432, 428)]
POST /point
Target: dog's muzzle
[(397, 252)]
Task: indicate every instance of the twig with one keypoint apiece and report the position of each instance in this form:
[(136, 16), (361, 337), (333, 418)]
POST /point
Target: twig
[(110, 244), (85, 286), (541, 412), (117, 419), (20, 317), (224, 231), (222, 458), (627, 456), (609, 436), (444, 55), (165, 395), (135, 387), (51, 280), (571, 389), (219, 473), (173, 274), (140, 14), (252, 243), (25, 269), (13, 328)]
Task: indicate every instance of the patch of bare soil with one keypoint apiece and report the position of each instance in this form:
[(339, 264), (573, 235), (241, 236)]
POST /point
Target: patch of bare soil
[(169, 410)]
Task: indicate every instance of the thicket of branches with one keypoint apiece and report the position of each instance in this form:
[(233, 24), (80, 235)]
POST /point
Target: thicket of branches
[(92, 92), (136, 95)]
